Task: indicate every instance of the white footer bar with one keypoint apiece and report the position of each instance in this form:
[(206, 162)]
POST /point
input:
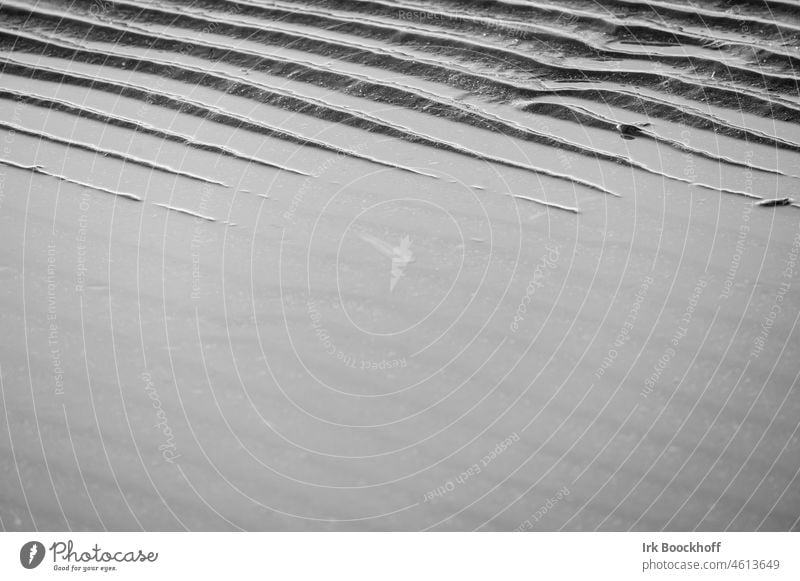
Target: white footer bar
[(400, 556)]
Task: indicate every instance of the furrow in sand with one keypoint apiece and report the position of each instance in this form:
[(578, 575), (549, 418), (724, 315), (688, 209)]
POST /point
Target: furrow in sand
[(385, 59), (361, 119), (439, 73), (107, 153), (727, 191), (382, 92), (461, 26), (185, 211), (427, 102), (87, 112), (187, 106), (693, 88), (545, 203), (591, 118), (556, 34), (698, 16), (553, 27), (216, 114), (600, 18), (777, 8), (347, 115), (638, 31), (326, 111), (404, 95), (655, 108), (38, 169)]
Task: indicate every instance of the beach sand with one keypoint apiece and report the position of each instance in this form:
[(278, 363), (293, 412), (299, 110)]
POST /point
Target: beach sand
[(390, 266)]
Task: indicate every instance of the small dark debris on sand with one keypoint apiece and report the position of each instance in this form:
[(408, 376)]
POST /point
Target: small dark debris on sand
[(775, 202), (628, 131)]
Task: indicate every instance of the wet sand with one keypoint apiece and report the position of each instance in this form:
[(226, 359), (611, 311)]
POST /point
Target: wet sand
[(393, 266)]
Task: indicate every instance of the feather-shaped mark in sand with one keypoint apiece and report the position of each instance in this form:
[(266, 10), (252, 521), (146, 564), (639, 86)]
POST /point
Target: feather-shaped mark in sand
[(401, 255)]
